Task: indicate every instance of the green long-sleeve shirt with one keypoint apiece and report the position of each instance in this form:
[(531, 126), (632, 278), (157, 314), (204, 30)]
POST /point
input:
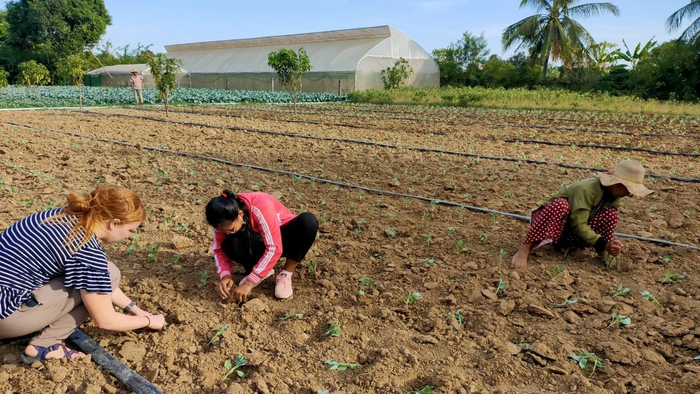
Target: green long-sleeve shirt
[(585, 198)]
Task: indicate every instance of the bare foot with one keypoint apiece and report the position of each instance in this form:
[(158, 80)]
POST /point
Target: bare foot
[(520, 259)]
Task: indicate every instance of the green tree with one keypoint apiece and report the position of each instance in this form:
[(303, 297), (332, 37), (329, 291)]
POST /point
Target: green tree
[(639, 53), (553, 33), (71, 71), (394, 77), (674, 21), (670, 72), (602, 54), (460, 63), (3, 79), (451, 72), (290, 67), (33, 74), (164, 71), (54, 29)]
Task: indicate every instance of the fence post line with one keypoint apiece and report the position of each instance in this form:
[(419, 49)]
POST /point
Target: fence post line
[(340, 86)]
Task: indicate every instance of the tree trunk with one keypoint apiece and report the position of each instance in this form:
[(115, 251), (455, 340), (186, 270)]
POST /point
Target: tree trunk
[(36, 92), (544, 69), (80, 95), (166, 104)]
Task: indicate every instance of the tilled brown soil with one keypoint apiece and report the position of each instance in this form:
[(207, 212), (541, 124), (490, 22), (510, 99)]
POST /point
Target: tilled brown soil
[(516, 340)]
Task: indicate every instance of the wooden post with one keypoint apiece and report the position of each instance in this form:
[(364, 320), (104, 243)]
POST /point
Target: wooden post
[(226, 83), (340, 86), (272, 84)]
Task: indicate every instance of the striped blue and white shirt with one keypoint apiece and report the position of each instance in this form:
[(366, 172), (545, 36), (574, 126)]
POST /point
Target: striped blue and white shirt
[(33, 251)]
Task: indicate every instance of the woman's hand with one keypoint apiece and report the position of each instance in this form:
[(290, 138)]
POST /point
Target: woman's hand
[(241, 292), (157, 322), (614, 247), (225, 286)]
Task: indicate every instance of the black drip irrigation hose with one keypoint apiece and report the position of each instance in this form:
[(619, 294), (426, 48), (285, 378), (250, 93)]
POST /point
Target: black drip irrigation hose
[(131, 379), (331, 182), (296, 121), (499, 125), (383, 145), (623, 148)]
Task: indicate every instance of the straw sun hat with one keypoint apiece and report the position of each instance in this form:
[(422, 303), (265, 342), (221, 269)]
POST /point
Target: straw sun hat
[(134, 71), (629, 173)]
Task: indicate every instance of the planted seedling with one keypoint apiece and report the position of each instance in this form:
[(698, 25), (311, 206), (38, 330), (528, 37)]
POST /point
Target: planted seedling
[(671, 277), (365, 283), (608, 261), (338, 366), (617, 319), (175, 258), (428, 239), (558, 269), (215, 339), (359, 225), (667, 258), (459, 247), (696, 358), (412, 298), (585, 359), (483, 237), (621, 291), (459, 318), (501, 255), (203, 276), (425, 390), (459, 278), (650, 297), (240, 361), (566, 302), (430, 262), (501, 288), (311, 268), (333, 330), (133, 244), (292, 316)]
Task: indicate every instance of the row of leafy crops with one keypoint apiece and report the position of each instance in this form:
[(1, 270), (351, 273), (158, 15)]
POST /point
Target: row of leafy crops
[(67, 96)]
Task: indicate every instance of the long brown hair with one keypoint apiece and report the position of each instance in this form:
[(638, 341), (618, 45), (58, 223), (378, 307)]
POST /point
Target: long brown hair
[(105, 203)]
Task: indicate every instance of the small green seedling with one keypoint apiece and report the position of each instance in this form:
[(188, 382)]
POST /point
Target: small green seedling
[(152, 253), (175, 258), (558, 269), (650, 297), (459, 247), (483, 237), (608, 261), (566, 302), (671, 277), (333, 330), (501, 288), (292, 316), (337, 366), (412, 298), (133, 244), (240, 361), (668, 258), (203, 276), (617, 319), (215, 339), (501, 255), (425, 390), (459, 318), (459, 278), (621, 291), (311, 268), (430, 262), (428, 239), (696, 358), (585, 358), (359, 225), (365, 283)]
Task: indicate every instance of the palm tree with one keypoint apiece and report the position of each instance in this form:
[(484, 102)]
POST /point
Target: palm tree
[(552, 32), (676, 19)]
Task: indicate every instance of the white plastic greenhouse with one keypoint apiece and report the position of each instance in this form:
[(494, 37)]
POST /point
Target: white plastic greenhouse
[(342, 60), (120, 74)]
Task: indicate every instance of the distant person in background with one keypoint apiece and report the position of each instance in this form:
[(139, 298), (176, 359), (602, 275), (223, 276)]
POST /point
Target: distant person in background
[(137, 86), (54, 272), (584, 213)]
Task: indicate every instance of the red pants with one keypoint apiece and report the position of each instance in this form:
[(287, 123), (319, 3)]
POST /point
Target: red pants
[(549, 225)]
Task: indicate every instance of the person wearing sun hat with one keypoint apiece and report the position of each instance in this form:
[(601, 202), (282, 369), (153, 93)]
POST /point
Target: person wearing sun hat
[(137, 86), (584, 213)]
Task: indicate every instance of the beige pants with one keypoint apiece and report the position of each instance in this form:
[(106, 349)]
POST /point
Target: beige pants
[(60, 311), (138, 94)]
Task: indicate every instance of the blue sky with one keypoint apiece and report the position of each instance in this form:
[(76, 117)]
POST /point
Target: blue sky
[(432, 23)]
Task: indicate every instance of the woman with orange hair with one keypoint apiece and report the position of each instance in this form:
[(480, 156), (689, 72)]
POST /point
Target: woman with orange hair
[(54, 273)]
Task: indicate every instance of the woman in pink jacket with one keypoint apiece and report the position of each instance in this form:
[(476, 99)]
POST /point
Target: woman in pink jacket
[(255, 230)]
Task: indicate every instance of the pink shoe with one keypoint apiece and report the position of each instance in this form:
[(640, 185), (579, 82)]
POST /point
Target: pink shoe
[(283, 288)]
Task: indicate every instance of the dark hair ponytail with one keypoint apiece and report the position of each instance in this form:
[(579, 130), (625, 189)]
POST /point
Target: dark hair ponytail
[(226, 207)]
